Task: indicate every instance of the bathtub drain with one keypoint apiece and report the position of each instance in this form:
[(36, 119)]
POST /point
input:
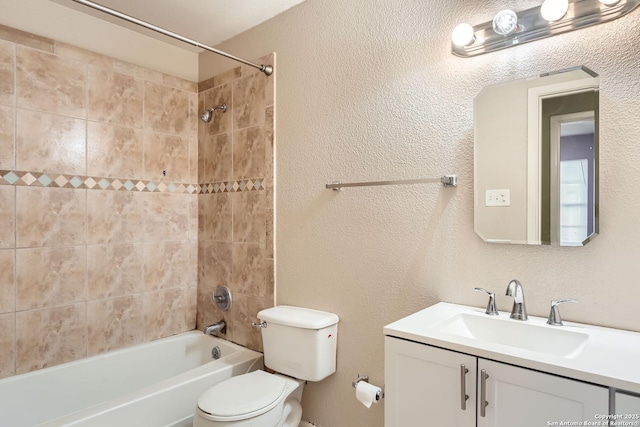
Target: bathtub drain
[(216, 353)]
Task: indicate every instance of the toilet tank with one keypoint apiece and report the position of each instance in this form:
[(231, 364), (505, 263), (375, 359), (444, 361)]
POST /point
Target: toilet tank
[(300, 342)]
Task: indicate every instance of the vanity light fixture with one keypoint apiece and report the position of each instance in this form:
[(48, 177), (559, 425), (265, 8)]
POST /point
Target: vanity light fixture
[(553, 10), (551, 18), (463, 35), (505, 22)]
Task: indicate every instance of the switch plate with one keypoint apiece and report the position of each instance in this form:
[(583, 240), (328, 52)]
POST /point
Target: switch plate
[(497, 197)]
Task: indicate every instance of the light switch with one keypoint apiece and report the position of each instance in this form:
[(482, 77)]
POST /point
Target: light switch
[(497, 197)]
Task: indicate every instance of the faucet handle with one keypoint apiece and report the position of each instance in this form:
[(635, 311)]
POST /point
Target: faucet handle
[(554, 315), (491, 305)]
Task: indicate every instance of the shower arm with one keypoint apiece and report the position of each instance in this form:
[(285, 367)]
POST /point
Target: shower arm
[(267, 69)]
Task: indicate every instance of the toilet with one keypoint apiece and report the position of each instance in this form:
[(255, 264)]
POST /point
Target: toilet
[(300, 345)]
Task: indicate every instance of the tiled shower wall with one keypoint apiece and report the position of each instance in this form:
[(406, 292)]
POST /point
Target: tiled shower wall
[(98, 204), (236, 219)]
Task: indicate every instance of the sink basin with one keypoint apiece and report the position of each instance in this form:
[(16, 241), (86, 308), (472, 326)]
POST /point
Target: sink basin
[(549, 340)]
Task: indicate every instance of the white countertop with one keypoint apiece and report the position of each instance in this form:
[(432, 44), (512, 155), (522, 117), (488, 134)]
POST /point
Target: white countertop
[(610, 357)]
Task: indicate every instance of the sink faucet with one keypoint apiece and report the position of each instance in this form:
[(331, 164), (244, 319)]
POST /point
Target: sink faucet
[(519, 311), (221, 326)]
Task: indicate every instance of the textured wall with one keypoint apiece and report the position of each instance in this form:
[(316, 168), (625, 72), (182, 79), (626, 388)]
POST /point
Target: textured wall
[(368, 90), (98, 217), (235, 232)]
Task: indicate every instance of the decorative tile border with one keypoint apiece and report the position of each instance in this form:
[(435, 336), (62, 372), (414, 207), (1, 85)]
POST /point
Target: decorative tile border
[(54, 180)]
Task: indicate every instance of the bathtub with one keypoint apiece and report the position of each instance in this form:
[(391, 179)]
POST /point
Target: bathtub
[(155, 384)]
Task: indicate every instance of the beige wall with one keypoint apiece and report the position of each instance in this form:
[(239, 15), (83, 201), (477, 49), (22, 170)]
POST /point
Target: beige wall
[(369, 90), (235, 236), (98, 236)]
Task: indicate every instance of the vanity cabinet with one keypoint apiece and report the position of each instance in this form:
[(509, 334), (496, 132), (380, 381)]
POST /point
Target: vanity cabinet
[(426, 385), (627, 406)]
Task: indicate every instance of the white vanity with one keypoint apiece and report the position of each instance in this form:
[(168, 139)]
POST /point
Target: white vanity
[(455, 366)]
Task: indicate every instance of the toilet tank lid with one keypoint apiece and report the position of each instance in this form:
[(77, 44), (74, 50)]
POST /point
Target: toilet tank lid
[(298, 317)]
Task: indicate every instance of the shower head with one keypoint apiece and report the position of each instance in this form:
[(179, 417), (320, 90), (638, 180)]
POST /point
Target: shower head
[(208, 113)]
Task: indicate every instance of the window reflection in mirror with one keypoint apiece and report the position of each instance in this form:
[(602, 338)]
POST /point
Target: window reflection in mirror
[(570, 210)]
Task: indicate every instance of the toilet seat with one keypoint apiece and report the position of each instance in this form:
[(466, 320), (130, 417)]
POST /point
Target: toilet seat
[(242, 397)]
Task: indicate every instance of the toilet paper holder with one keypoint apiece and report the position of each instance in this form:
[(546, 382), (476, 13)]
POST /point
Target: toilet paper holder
[(365, 378)]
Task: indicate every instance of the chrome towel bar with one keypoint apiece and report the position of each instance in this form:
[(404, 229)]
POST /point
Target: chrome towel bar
[(447, 181)]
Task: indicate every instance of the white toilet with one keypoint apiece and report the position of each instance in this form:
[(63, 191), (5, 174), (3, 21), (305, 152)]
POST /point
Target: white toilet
[(298, 342)]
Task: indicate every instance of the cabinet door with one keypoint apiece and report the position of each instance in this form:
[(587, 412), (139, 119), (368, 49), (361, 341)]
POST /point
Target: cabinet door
[(627, 407), (524, 398), (424, 386)]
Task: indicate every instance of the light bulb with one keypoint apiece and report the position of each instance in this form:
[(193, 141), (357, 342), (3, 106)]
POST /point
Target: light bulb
[(553, 10), (463, 35), (505, 22), (609, 2)]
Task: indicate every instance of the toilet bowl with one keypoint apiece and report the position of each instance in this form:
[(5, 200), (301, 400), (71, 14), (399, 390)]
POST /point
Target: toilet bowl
[(299, 343), (255, 399)]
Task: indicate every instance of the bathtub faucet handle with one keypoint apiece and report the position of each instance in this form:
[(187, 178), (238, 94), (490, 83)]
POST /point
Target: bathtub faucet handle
[(261, 325)]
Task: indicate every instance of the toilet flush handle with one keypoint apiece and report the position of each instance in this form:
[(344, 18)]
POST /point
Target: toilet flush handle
[(259, 325)]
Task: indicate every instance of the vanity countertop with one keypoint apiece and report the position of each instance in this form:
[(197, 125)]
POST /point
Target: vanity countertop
[(604, 356)]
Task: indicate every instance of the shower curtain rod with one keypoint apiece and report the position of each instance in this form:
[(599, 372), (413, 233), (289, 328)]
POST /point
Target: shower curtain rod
[(267, 69)]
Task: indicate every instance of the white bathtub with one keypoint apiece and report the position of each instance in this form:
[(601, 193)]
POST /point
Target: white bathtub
[(155, 384)]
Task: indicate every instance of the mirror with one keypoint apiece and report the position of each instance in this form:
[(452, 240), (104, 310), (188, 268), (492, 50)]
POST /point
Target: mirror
[(536, 159)]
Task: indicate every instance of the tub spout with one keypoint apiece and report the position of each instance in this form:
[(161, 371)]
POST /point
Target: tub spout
[(221, 327)]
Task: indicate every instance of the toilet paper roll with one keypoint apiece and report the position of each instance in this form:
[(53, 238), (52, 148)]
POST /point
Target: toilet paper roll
[(366, 393)]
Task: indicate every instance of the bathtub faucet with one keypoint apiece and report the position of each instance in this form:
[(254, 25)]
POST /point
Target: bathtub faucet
[(221, 327)]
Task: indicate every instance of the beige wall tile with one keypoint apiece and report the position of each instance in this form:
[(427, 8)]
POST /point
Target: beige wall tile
[(220, 122), (7, 137), (50, 216), (215, 217), (114, 270), (215, 265), (249, 269), (7, 282), (270, 149), (193, 217), (193, 307), (166, 153), (136, 71), (179, 83), (47, 277), (270, 233), (115, 98), (249, 153), (193, 137), (114, 151), (82, 55), (166, 265), (220, 79), (27, 39), (50, 83), (114, 323), (7, 344), (249, 101), (249, 217), (7, 216), (50, 143), (166, 109), (245, 311), (165, 313), (7, 73), (217, 152), (37, 347), (114, 217), (166, 216)]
